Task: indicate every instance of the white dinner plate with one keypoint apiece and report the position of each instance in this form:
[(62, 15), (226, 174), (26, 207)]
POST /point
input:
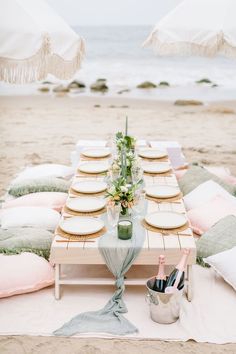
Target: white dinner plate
[(156, 167), (85, 204), (96, 152), (162, 191), (151, 153), (93, 167), (166, 219), (81, 226), (89, 187)]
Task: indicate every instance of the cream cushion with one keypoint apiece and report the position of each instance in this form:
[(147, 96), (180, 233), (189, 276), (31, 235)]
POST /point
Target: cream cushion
[(45, 170), (29, 217), (224, 263)]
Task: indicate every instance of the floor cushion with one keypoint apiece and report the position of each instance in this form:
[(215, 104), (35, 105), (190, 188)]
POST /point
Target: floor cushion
[(26, 239), (24, 273), (204, 217), (196, 175), (219, 238), (53, 200), (224, 263), (29, 217), (222, 172), (219, 171), (204, 192), (45, 184), (45, 170)]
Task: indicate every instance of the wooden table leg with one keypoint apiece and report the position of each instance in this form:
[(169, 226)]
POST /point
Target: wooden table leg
[(57, 281), (189, 283)]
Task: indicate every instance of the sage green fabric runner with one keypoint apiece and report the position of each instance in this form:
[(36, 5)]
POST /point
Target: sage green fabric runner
[(119, 255)]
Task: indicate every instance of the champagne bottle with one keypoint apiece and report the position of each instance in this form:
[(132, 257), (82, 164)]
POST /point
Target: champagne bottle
[(177, 276), (160, 281)]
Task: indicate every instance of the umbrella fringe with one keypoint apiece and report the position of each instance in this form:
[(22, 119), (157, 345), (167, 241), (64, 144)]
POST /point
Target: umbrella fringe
[(42, 63), (220, 46), (65, 69)]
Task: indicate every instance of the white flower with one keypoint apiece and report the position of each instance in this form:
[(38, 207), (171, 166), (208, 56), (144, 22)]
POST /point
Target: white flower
[(124, 189), (112, 190), (115, 166)]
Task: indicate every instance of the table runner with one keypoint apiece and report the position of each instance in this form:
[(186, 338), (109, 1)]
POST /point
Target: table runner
[(118, 255)]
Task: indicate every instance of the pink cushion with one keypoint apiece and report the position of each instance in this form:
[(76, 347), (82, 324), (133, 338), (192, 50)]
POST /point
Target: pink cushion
[(53, 200), (223, 173), (204, 193), (24, 273), (205, 216)]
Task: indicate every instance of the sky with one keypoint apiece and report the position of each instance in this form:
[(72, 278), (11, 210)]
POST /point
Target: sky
[(112, 12)]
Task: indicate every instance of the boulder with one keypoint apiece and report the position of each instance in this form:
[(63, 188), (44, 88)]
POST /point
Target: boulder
[(188, 103), (164, 83), (99, 85), (123, 91), (47, 83), (204, 81), (44, 89), (146, 85), (61, 89), (101, 80), (76, 85)]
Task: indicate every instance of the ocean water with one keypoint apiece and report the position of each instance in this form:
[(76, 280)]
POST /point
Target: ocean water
[(116, 53)]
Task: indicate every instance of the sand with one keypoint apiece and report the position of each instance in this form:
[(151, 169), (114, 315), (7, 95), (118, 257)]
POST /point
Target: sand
[(44, 129), (39, 129)]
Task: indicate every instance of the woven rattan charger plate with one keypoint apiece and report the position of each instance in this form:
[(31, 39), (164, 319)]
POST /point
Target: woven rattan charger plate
[(166, 200), (64, 234), (165, 232), (66, 210), (78, 194)]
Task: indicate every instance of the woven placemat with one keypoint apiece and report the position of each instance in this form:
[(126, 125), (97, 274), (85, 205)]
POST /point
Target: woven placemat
[(165, 232), (166, 200), (164, 174), (87, 158), (91, 175), (78, 194), (161, 159), (76, 213), (64, 234)]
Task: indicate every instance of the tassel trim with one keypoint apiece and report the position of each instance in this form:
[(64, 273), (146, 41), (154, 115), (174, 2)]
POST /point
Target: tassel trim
[(217, 45), (42, 63)]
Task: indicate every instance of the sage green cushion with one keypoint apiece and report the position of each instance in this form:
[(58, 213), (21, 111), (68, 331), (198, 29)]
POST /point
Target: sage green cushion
[(197, 175), (26, 239), (221, 237), (45, 184)]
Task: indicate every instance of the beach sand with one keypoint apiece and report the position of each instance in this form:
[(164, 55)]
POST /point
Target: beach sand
[(44, 129)]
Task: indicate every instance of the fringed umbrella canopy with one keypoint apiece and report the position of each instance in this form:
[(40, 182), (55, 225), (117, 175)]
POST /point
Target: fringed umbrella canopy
[(35, 41), (197, 27)]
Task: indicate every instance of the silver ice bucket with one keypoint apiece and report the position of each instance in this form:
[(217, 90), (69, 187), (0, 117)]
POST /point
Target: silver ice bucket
[(164, 308)]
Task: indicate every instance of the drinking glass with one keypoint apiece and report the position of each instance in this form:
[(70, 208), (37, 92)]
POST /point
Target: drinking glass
[(136, 174), (113, 214), (140, 206)]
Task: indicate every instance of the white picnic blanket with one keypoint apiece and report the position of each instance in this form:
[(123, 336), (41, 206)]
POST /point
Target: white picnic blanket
[(210, 317)]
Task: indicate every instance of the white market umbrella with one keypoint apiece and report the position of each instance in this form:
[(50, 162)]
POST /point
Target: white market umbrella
[(197, 27), (35, 42)]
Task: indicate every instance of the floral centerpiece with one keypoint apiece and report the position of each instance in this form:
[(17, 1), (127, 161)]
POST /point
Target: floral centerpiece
[(126, 157), (123, 193)]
